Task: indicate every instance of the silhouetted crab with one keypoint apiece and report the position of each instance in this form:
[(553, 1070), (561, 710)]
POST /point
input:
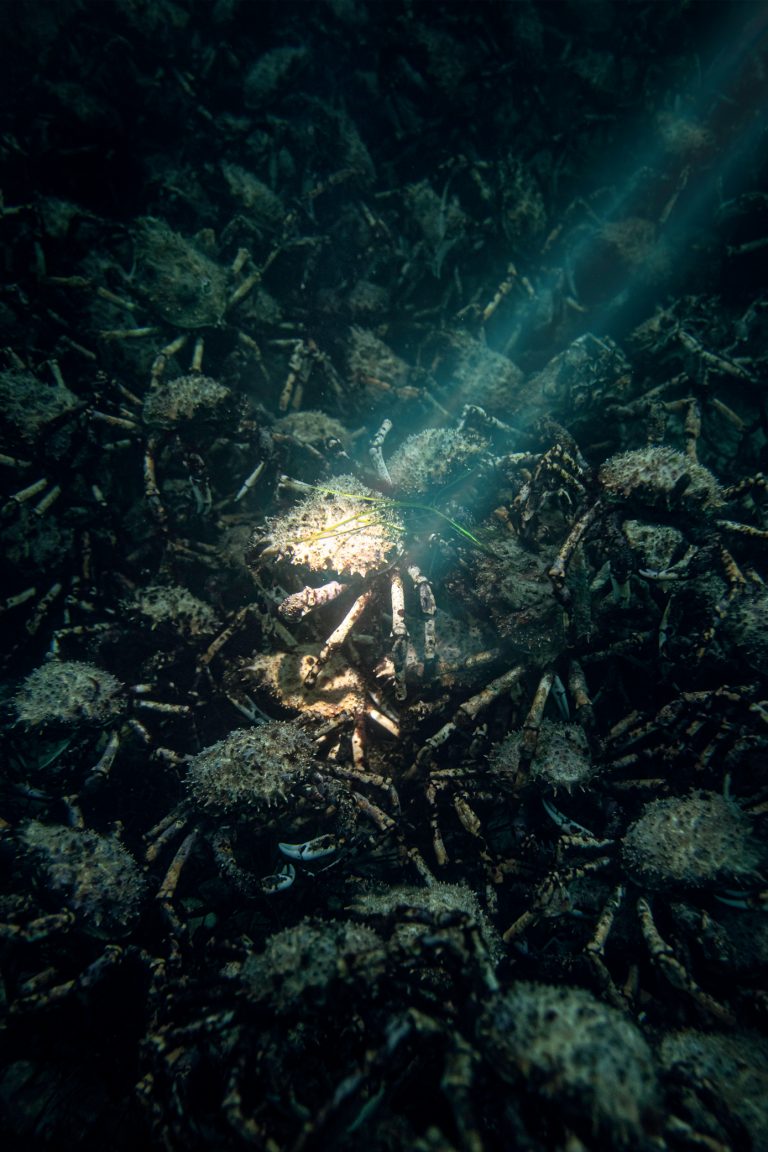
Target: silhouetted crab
[(258, 784), (664, 484)]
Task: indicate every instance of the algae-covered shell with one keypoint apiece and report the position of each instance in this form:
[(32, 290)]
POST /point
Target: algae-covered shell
[(312, 962), (184, 285), (734, 1064), (252, 769), (170, 403), (69, 692), (562, 758), (660, 477), (586, 1057), (698, 840), (344, 528), (91, 874)]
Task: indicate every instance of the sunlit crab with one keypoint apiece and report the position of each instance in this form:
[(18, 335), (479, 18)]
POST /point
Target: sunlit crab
[(339, 698), (362, 538), (349, 533), (355, 537)]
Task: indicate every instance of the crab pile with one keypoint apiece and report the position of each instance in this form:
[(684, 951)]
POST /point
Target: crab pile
[(385, 618)]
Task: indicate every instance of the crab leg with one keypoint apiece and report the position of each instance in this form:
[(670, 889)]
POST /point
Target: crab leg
[(29, 492), (163, 356), (249, 481), (299, 604), (428, 609), (557, 571), (399, 634), (151, 490), (577, 685), (18, 599), (675, 972), (386, 723), (595, 948), (100, 771), (532, 724), (167, 889), (358, 742), (467, 712), (377, 456), (338, 636)]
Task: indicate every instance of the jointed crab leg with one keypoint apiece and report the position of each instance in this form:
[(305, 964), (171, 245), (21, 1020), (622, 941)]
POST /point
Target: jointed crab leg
[(299, 604), (428, 609), (377, 456), (399, 633), (675, 972), (468, 711), (557, 571), (595, 948), (338, 636)]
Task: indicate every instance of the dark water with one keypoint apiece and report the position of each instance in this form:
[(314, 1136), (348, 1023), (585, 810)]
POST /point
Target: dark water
[(382, 427)]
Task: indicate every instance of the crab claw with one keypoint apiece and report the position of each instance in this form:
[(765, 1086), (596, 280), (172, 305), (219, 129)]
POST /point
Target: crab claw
[(741, 898), (568, 826), (278, 881), (311, 850)]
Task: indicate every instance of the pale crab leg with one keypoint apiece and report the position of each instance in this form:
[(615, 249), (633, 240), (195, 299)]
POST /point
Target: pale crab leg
[(164, 355), (399, 634), (377, 456), (358, 742), (249, 481), (100, 771), (338, 636), (151, 490), (299, 604), (387, 723), (532, 724), (428, 610), (577, 686), (557, 571), (299, 368), (595, 948), (167, 889)]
